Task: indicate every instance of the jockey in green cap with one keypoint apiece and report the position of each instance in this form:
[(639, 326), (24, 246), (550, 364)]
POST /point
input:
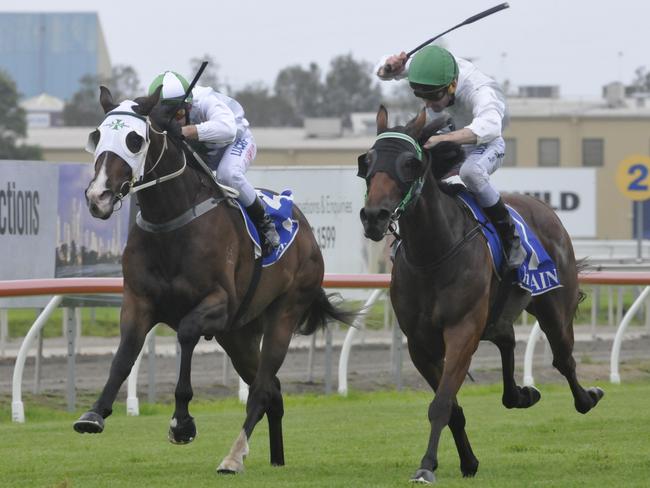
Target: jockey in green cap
[(218, 121), (477, 107)]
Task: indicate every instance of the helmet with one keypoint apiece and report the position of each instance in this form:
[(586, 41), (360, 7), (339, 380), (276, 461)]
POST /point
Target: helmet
[(174, 87), (433, 66)]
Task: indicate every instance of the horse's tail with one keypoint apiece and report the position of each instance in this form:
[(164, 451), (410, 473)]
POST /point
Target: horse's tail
[(324, 308)]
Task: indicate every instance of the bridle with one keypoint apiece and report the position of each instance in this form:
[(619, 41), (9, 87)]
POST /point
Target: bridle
[(412, 195)]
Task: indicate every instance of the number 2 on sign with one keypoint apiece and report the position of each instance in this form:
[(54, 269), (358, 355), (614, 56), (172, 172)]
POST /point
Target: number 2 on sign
[(640, 182)]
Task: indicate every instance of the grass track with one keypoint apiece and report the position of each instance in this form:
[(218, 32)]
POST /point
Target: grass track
[(369, 439)]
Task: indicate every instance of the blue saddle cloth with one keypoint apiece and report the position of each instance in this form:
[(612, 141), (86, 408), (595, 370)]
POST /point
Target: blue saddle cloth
[(538, 273), (279, 207)]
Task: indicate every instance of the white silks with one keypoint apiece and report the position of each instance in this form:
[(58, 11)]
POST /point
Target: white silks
[(113, 130)]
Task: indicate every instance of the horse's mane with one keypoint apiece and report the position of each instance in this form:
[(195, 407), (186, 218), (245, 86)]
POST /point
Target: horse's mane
[(161, 115)]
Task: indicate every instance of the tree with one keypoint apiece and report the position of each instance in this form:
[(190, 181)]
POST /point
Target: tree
[(265, 110), (13, 123), (641, 82), (83, 109), (349, 87), (302, 89), (210, 76)]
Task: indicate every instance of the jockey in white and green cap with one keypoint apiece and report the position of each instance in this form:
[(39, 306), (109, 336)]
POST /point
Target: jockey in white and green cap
[(477, 107), (219, 123)]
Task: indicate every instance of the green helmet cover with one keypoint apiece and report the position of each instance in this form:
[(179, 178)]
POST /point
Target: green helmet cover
[(174, 87), (433, 65)]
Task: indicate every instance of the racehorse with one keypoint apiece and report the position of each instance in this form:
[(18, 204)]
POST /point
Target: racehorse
[(191, 266), (443, 287)]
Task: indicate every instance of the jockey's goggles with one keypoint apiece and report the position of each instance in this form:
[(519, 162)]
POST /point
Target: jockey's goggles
[(434, 94)]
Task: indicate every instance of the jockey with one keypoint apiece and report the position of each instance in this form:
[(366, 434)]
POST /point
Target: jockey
[(478, 110), (218, 122)]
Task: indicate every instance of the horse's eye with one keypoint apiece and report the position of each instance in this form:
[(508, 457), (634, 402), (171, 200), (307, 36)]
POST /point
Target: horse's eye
[(134, 142), (409, 168)]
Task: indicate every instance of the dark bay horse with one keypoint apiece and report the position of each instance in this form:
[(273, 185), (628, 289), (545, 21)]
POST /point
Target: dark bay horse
[(190, 267), (443, 285)]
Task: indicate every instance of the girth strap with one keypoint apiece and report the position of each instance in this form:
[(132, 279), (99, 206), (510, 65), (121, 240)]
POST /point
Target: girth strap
[(183, 219)]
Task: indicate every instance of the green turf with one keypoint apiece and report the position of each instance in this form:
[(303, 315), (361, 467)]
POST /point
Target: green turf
[(369, 439)]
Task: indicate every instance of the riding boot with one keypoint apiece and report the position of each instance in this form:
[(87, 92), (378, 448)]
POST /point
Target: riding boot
[(265, 226), (500, 217)]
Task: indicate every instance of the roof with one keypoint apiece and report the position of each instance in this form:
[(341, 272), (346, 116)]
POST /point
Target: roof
[(558, 107), (62, 138), (43, 103)]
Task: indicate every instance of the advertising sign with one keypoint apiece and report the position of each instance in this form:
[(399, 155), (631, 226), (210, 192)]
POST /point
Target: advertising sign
[(330, 197), (28, 201), (571, 192)]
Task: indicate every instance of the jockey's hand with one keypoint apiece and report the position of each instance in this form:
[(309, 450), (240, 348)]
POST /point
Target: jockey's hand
[(393, 66), (432, 141), (190, 132)]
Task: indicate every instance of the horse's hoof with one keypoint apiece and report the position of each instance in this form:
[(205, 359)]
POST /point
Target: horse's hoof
[(423, 476), (182, 432), (469, 469), (531, 395), (596, 394), (89, 423), (589, 401), (526, 396), (230, 466)]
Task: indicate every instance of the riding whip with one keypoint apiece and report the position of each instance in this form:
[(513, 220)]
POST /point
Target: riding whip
[(497, 8)]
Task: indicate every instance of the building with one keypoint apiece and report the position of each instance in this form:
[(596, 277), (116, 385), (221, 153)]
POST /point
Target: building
[(43, 110), (50, 52), (551, 132)]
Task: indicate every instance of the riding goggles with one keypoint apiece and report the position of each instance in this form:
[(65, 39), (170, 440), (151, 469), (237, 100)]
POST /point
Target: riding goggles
[(434, 95)]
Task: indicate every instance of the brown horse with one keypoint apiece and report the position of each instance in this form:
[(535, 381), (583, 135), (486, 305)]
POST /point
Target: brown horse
[(189, 263), (443, 286)]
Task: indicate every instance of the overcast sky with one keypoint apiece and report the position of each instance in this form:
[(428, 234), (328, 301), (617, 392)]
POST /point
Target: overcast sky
[(577, 44)]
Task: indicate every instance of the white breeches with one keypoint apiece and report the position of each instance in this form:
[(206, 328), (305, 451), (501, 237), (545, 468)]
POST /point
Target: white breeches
[(480, 162), (234, 163)]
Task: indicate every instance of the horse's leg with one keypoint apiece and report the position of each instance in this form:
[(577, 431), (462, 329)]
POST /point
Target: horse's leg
[(243, 348), (428, 356), (265, 395), (135, 323), (461, 340), (209, 317), (557, 323), (514, 396)]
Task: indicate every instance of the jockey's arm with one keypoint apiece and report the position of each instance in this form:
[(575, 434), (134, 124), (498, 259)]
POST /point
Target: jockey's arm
[(460, 136), (218, 124)]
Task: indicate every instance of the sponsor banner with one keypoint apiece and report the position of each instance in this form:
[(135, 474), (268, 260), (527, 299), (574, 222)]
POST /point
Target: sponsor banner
[(330, 197), (28, 203), (571, 192), (46, 230)]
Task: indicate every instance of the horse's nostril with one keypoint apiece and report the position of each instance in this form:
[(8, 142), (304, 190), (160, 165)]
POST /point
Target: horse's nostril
[(383, 214), (105, 194)]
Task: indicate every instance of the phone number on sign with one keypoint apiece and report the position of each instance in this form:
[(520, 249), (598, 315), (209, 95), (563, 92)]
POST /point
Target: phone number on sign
[(325, 236)]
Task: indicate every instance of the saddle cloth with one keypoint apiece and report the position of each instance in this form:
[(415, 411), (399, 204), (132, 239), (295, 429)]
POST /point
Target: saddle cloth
[(538, 273), (279, 207)]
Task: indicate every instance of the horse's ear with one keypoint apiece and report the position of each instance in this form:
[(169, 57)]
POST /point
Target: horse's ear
[(146, 104), (415, 126), (382, 119), (106, 99)]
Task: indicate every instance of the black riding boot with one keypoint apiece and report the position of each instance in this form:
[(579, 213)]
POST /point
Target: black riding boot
[(500, 217), (268, 234)]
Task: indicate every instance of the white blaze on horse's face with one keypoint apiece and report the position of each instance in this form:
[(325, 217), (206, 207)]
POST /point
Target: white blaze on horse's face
[(99, 196), (122, 136)]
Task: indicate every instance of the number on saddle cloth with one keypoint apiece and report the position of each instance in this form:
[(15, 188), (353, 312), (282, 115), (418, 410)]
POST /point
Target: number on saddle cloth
[(279, 207)]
